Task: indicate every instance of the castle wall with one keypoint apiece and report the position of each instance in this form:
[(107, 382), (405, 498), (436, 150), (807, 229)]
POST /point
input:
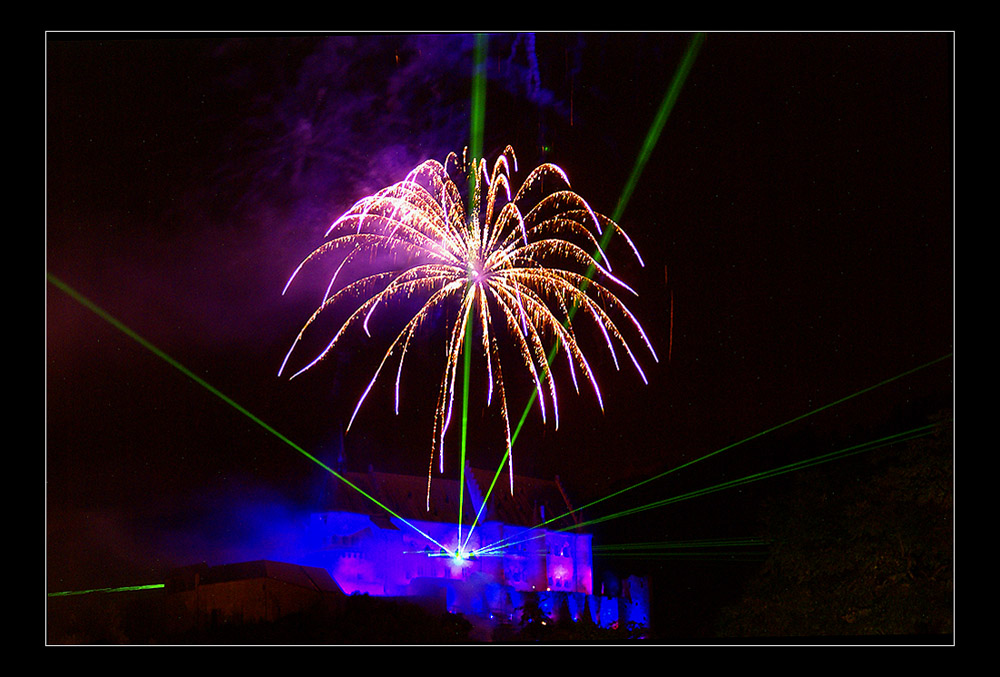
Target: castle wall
[(553, 570)]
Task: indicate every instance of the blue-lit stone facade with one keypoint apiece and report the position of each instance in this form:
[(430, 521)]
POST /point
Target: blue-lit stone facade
[(369, 552)]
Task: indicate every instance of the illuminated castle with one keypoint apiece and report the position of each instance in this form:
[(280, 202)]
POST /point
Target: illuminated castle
[(535, 554)]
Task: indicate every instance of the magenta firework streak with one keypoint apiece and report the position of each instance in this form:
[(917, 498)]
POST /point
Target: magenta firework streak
[(496, 260)]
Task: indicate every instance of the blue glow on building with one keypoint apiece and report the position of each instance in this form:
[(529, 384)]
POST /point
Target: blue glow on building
[(370, 552)]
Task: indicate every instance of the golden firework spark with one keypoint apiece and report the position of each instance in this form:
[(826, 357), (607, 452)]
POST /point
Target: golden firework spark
[(511, 267)]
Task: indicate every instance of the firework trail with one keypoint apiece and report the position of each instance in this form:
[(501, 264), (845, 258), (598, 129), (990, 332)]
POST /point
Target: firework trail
[(508, 259)]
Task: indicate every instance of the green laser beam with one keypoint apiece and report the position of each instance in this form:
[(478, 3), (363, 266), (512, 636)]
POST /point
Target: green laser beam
[(478, 103), (652, 137), (467, 364), (747, 541), (127, 588), (650, 142), (846, 452), (694, 556), (867, 446), (896, 438), (477, 124), (738, 549), (774, 472), (774, 428), (799, 465), (100, 312)]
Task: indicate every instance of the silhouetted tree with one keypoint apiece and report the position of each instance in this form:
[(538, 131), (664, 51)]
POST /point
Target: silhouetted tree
[(859, 547)]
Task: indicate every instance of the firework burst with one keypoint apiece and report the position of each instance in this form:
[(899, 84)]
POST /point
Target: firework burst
[(510, 259)]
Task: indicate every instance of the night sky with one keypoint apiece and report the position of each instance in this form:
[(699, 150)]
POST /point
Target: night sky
[(795, 217)]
